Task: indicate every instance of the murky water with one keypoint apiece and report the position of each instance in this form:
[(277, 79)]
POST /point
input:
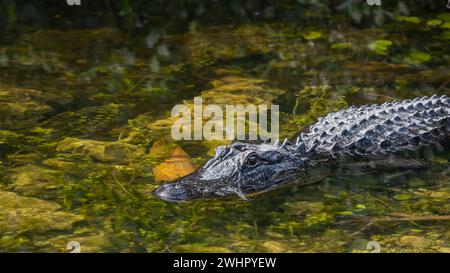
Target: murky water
[(85, 131)]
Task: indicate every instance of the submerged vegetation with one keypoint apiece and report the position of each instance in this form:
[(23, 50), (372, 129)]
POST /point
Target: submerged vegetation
[(85, 100)]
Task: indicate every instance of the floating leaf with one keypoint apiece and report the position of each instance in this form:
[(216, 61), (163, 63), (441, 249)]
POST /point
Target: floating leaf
[(416, 230), (380, 46), (445, 25), (421, 56), (42, 131), (317, 219), (330, 196), (345, 213), (361, 206), (417, 57), (435, 22), (312, 35), (402, 197), (409, 19), (341, 45)]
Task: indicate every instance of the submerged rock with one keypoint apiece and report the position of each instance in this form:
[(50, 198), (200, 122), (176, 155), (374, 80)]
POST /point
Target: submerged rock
[(234, 90), (24, 159), (444, 250), (103, 151), (60, 163), (200, 249), (33, 180), (89, 243), (414, 241), (21, 107), (274, 246), (27, 214)]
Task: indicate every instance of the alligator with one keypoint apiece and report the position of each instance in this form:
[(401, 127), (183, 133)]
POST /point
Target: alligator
[(375, 136)]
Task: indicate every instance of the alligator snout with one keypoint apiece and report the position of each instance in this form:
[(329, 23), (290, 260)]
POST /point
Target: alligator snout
[(174, 192), (182, 189)]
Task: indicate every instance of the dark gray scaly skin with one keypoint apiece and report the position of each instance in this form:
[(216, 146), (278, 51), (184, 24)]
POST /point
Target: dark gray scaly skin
[(353, 134)]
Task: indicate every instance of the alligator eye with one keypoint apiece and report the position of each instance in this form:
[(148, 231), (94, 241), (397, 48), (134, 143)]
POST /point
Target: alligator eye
[(252, 161)]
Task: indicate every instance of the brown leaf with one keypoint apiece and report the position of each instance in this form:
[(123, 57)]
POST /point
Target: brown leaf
[(178, 165)]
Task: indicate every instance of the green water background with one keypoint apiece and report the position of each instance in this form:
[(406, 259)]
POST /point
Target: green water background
[(86, 92)]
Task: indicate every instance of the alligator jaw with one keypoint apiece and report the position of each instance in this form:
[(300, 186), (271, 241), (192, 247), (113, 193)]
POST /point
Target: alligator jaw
[(179, 190), (166, 192), (189, 187)]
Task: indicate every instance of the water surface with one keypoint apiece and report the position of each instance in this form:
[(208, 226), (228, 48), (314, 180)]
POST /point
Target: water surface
[(85, 125)]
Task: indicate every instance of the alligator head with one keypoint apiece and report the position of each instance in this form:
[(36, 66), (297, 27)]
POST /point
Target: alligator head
[(239, 168)]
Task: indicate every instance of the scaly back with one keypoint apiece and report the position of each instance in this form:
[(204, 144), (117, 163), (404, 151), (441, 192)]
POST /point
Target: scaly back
[(381, 129)]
